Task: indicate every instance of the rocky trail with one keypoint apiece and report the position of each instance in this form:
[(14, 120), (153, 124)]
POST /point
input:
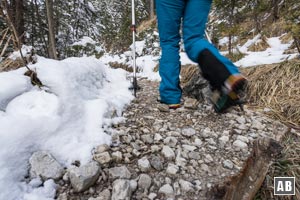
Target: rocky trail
[(166, 154)]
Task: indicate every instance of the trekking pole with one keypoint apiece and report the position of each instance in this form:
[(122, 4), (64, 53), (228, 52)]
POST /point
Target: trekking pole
[(135, 86), (207, 37)]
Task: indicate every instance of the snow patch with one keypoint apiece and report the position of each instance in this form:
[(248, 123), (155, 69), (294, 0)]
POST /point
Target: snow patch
[(12, 85), (84, 41), (273, 54), (25, 50), (83, 97)]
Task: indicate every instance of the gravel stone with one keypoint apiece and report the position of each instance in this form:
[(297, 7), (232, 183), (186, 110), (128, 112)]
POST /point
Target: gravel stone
[(119, 173), (147, 139), (243, 138), (168, 153), (103, 158), (186, 186), (189, 147), (171, 141), (104, 195), (121, 189), (157, 162), (228, 164), (188, 132), (172, 169), (152, 196), (144, 164), (163, 108), (194, 155), (166, 190), (239, 145), (144, 181), (191, 103), (102, 148), (158, 137)]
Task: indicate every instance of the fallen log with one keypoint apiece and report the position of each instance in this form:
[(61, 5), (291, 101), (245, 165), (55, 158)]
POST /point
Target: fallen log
[(248, 181)]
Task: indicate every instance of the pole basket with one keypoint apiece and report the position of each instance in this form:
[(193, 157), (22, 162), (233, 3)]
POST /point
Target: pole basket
[(134, 86)]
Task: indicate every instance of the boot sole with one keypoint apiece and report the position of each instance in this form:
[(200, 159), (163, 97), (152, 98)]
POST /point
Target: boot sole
[(233, 98)]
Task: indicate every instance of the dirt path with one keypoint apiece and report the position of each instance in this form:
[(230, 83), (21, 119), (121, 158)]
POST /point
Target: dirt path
[(178, 154)]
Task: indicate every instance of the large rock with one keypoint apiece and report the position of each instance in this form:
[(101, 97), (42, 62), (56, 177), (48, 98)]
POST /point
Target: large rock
[(121, 190), (44, 165), (84, 176)]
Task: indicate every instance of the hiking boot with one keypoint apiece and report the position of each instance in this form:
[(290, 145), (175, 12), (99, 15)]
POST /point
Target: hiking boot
[(174, 106), (231, 94), (170, 106)]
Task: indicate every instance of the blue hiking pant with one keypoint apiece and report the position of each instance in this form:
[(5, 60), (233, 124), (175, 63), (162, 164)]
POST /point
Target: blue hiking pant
[(193, 14)]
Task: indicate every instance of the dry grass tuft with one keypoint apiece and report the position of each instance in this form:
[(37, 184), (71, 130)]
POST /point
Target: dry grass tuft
[(9, 64), (156, 68), (260, 46), (117, 65), (234, 57), (146, 25), (187, 72), (277, 28), (277, 87), (286, 38), (287, 165)]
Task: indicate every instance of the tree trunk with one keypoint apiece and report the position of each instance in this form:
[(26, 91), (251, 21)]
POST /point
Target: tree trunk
[(151, 9), (297, 43), (33, 29), (256, 16), (15, 19), (231, 24), (19, 20), (40, 24), (51, 33), (7, 16), (275, 5)]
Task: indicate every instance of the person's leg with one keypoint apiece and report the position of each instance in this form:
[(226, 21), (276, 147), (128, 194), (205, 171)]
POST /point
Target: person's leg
[(215, 67), (169, 14)]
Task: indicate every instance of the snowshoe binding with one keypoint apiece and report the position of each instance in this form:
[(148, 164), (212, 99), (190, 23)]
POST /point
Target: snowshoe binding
[(231, 94)]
